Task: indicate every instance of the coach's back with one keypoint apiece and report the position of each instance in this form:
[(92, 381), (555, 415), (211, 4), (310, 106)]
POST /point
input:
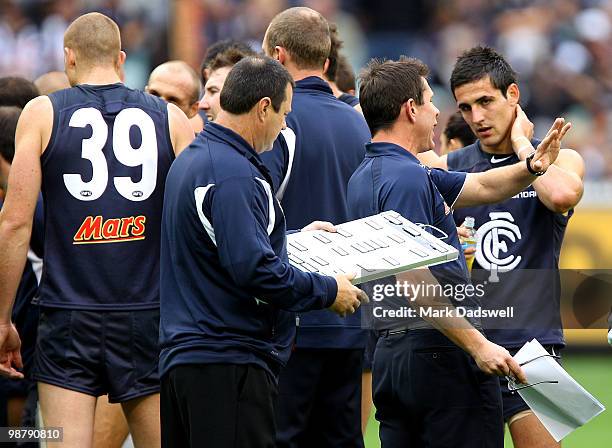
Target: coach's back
[(103, 176), (311, 164)]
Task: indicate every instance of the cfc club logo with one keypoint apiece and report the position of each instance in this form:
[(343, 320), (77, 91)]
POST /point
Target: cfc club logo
[(493, 239), (96, 229)]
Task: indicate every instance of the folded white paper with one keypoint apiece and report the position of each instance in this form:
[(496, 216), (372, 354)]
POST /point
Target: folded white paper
[(561, 404)]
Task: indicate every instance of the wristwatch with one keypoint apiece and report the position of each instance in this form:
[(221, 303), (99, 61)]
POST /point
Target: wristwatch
[(529, 168)]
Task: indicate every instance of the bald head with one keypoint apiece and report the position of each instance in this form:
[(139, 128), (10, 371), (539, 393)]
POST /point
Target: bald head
[(95, 40), (176, 82), (52, 82), (303, 33)]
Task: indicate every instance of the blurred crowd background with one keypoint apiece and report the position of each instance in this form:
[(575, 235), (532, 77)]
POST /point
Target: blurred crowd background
[(562, 50)]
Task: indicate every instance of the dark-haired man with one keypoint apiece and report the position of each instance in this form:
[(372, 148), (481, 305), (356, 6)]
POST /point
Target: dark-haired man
[(15, 91), (222, 46), (101, 152), (456, 134), (428, 391), (227, 288), (217, 69), (320, 389), (519, 240)]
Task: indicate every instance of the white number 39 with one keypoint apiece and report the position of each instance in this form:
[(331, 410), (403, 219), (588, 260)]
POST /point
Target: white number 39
[(145, 156)]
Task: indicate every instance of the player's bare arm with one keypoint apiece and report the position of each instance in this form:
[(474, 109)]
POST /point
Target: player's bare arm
[(32, 135), (501, 183), (561, 188), (181, 132)]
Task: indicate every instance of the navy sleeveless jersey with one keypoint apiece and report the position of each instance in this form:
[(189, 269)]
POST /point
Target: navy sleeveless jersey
[(103, 178), (517, 257)]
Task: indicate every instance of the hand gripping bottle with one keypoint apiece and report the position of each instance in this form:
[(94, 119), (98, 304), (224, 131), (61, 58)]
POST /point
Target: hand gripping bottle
[(469, 241)]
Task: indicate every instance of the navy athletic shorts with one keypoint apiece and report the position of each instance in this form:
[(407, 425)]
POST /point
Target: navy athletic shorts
[(512, 401), (99, 352)]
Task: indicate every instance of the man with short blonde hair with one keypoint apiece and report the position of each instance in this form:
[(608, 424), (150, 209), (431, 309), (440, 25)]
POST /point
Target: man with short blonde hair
[(302, 32), (99, 303), (320, 389)]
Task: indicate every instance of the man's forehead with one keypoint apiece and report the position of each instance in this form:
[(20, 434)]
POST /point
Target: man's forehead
[(218, 76), (170, 82), (471, 91)]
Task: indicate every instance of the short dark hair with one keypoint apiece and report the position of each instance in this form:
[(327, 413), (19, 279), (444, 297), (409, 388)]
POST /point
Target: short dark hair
[(15, 91), (334, 52), (229, 58), (345, 75), (9, 115), (478, 62), (304, 33), (385, 85), (456, 127), (250, 80), (220, 47)]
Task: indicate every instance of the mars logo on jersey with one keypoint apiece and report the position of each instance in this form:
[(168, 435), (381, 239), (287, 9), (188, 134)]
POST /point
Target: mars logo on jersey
[(493, 238), (96, 229)]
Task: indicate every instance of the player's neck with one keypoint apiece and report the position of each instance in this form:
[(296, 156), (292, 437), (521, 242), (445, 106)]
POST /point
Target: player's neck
[(98, 76), (503, 147), (299, 74)]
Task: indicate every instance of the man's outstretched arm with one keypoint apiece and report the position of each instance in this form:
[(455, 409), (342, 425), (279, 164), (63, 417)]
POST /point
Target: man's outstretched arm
[(499, 184)]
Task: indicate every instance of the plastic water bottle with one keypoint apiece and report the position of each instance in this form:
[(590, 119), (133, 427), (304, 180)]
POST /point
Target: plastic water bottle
[(470, 241)]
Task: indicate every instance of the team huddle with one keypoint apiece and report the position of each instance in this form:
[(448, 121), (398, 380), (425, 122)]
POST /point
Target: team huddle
[(166, 283)]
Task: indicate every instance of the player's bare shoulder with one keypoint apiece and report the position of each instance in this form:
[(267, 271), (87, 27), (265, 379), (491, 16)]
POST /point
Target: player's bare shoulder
[(181, 132), (36, 119)]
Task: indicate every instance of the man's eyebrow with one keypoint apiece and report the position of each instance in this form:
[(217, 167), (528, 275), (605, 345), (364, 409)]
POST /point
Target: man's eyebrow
[(477, 100)]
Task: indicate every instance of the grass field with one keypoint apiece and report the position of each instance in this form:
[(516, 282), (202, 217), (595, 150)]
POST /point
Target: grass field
[(594, 372)]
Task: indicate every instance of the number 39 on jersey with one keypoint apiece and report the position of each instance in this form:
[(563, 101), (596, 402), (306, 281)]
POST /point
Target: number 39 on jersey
[(144, 156)]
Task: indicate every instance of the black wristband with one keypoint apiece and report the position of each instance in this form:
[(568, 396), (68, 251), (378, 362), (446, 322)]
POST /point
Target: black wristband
[(529, 168)]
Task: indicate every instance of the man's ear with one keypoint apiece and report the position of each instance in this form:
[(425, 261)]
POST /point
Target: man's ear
[(280, 54), (263, 108), (513, 94), (326, 66), (69, 57), (410, 110), (193, 109)]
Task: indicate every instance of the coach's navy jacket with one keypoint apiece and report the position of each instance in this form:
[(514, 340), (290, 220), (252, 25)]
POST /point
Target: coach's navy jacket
[(227, 288), (311, 164)]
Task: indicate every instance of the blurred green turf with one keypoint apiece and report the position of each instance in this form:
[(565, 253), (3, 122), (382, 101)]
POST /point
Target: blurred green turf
[(594, 372)]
